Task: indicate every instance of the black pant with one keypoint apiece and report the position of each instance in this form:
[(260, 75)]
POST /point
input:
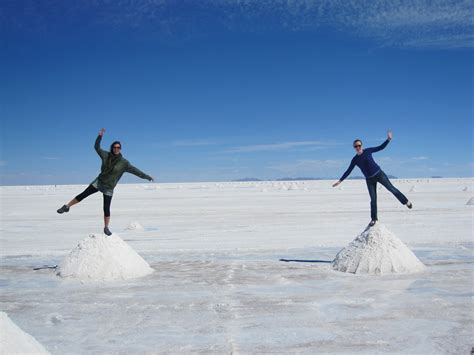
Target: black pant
[(92, 190), (372, 186)]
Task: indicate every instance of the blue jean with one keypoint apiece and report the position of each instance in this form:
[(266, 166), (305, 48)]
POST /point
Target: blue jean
[(382, 178)]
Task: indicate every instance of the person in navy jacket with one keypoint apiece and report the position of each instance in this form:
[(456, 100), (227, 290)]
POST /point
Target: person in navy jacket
[(373, 174)]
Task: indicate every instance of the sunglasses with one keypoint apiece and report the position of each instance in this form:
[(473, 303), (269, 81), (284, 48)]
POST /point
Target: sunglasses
[(358, 146), (117, 147)]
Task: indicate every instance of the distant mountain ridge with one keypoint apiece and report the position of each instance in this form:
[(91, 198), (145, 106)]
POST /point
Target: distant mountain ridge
[(250, 179)]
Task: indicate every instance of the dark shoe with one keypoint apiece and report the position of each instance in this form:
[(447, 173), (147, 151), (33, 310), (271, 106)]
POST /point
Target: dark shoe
[(107, 231), (63, 209), (372, 223), (409, 205)]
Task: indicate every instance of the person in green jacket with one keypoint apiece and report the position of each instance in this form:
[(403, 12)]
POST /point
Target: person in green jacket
[(112, 169)]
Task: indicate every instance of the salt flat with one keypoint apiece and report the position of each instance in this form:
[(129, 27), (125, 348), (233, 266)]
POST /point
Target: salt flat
[(219, 285)]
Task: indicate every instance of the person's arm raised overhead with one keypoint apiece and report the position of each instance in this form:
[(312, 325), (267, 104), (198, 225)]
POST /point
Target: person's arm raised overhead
[(102, 153), (384, 144)]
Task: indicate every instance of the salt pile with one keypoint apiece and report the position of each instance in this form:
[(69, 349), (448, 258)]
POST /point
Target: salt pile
[(377, 251), (413, 188), (13, 340), (465, 189), (101, 258), (135, 226), (470, 202)]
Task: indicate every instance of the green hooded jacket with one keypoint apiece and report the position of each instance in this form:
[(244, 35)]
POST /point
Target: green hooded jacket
[(112, 169)]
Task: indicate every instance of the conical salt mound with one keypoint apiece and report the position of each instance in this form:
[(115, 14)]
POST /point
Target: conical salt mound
[(413, 188), (101, 258), (13, 340), (377, 251), (135, 226), (470, 202)]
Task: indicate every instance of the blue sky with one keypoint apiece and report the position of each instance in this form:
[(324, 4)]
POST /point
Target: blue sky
[(221, 90)]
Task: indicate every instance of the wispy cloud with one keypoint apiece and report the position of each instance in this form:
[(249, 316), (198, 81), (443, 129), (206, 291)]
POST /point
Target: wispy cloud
[(419, 23), (308, 166), (419, 158), (50, 158), (194, 142), (279, 146), (416, 23)]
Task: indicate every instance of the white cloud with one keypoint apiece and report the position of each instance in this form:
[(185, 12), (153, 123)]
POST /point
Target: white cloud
[(51, 158), (417, 23), (194, 142), (395, 23), (279, 146), (420, 158), (310, 166)]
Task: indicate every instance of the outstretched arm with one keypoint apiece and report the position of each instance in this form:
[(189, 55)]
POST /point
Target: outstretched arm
[(384, 144), (135, 171), (102, 153), (346, 174)]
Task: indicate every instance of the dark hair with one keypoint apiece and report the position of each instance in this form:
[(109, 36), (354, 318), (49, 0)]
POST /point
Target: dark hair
[(357, 140), (112, 146)]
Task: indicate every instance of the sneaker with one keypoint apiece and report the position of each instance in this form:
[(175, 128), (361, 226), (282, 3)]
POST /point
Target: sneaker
[(107, 231), (409, 205), (63, 209), (372, 223)]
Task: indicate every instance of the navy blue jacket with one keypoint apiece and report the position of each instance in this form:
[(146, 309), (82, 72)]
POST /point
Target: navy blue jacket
[(365, 162)]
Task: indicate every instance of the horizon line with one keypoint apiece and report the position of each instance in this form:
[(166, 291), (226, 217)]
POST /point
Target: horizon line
[(356, 178)]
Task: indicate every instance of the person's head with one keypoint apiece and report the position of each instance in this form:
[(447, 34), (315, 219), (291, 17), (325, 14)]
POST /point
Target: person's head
[(116, 148), (357, 145)]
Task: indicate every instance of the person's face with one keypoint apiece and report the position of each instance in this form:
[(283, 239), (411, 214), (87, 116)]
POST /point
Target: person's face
[(116, 148), (358, 147)]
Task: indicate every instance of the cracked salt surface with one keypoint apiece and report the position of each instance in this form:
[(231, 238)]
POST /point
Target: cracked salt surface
[(219, 285)]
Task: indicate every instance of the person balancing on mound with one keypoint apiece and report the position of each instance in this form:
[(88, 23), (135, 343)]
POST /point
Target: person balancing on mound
[(112, 169), (373, 174)]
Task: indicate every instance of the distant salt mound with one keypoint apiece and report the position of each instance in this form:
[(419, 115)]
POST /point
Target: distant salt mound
[(151, 187), (470, 202), (135, 226), (293, 187), (101, 258), (377, 251), (13, 340), (413, 188), (465, 189)]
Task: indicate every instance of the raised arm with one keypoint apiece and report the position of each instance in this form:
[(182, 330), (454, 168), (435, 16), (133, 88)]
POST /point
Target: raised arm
[(135, 171), (102, 153), (384, 144)]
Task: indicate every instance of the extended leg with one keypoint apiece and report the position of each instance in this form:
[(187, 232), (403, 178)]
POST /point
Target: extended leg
[(383, 179), (87, 192), (372, 187)]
